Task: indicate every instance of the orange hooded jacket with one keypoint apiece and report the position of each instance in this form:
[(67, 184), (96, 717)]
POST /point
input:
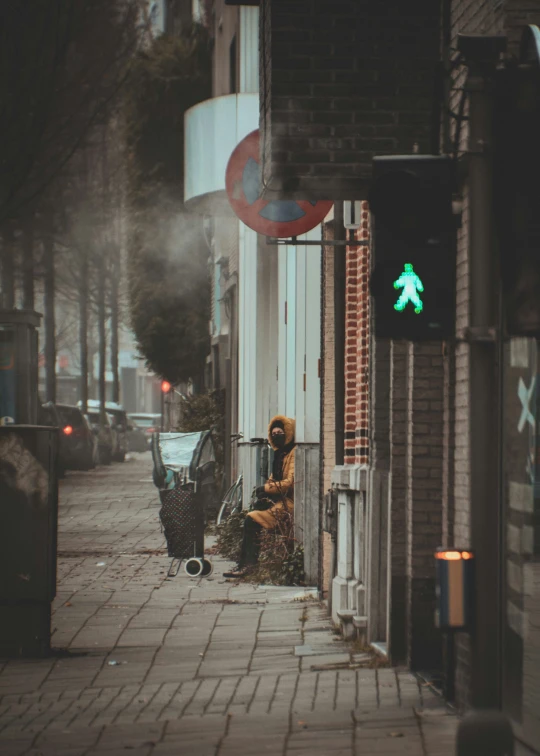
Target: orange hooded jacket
[(284, 488)]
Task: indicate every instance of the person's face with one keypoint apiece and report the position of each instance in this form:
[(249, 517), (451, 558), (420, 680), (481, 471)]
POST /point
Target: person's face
[(278, 437)]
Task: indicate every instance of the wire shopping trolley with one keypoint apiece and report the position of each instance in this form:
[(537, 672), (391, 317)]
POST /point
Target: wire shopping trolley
[(184, 472)]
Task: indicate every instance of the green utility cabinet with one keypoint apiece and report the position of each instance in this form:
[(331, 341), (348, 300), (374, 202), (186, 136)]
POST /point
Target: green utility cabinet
[(18, 366)]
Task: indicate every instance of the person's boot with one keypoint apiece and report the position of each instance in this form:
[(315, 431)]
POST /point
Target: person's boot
[(239, 572), (250, 550)]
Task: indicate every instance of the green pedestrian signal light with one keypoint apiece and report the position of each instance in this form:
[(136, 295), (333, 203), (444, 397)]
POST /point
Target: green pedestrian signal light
[(411, 285), (413, 275)]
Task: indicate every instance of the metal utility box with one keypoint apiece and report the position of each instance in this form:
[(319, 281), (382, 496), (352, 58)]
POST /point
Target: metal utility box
[(18, 366), (28, 538)]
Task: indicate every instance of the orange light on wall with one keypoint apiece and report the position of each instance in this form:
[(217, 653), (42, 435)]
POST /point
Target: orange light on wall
[(450, 555), (455, 589), (68, 430), (453, 556), (165, 387)]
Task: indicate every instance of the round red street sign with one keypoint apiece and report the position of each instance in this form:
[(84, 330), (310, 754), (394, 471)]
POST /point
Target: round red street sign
[(280, 219)]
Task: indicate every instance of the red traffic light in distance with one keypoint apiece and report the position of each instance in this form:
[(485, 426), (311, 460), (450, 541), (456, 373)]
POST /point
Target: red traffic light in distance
[(165, 387)]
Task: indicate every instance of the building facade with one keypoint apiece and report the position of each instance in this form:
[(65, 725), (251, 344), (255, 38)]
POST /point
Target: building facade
[(412, 456), (266, 299)]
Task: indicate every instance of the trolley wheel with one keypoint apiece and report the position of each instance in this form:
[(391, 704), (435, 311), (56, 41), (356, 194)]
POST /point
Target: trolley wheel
[(207, 569), (193, 567)]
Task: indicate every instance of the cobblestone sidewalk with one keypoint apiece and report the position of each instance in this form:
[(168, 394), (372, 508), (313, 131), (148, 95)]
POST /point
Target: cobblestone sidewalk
[(151, 665)]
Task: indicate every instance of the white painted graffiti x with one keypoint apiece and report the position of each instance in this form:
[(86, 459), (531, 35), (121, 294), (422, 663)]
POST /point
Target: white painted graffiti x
[(525, 395)]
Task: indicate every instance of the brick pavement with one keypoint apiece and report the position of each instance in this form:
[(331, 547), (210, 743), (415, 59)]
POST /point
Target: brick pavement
[(151, 665)]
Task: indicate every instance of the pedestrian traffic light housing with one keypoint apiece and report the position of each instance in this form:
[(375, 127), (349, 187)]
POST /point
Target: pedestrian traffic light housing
[(414, 247), (517, 187), (165, 387)]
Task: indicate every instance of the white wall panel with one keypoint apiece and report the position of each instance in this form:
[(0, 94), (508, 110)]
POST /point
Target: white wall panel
[(282, 328), (249, 49), (290, 385), (247, 325), (300, 341), (313, 340), (213, 128)]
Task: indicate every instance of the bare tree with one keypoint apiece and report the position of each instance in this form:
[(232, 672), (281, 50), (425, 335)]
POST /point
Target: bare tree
[(28, 272), (114, 293), (50, 318), (83, 330), (62, 63), (8, 267), (102, 337)]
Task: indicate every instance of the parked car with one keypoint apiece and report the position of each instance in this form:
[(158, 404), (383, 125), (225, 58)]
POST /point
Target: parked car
[(137, 441), (80, 444), (119, 426), (149, 422), (95, 446), (104, 435), (48, 415)]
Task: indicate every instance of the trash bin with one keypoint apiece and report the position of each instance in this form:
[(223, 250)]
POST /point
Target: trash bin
[(28, 533), (184, 472)]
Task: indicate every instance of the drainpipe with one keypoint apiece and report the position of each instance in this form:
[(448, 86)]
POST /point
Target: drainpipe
[(481, 54), (446, 44), (339, 333)]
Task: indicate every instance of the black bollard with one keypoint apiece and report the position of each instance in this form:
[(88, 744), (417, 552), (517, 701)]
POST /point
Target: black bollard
[(486, 732)]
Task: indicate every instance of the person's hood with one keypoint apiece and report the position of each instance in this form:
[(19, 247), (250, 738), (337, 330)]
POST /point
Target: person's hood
[(288, 427)]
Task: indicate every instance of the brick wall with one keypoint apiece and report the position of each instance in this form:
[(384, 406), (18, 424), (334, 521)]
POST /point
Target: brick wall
[(361, 449), (342, 80), (357, 347), (397, 641), (351, 349), (424, 500)]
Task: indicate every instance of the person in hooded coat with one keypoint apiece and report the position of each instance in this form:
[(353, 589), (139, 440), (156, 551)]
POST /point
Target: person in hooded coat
[(277, 492)]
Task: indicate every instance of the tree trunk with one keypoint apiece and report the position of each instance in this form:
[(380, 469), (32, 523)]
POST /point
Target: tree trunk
[(83, 332), (28, 263), (92, 351), (102, 338), (114, 335), (8, 270), (50, 324)]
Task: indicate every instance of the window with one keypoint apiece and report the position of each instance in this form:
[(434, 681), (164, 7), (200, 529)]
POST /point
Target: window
[(232, 66)]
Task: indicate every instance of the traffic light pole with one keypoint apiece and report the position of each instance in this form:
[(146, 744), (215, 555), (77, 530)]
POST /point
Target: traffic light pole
[(162, 411), (481, 55)]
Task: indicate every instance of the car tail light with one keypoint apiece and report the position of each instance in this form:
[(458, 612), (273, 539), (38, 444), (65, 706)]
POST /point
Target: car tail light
[(150, 430), (68, 430)]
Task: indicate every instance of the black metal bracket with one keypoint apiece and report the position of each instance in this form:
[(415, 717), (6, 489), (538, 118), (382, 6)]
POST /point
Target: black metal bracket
[(477, 335), (293, 242)]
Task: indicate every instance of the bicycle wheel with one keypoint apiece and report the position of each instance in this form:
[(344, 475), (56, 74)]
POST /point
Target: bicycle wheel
[(226, 507), (238, 497), (232, 502)]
